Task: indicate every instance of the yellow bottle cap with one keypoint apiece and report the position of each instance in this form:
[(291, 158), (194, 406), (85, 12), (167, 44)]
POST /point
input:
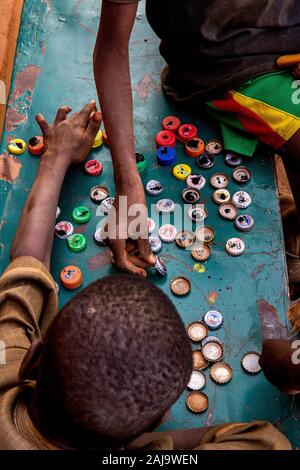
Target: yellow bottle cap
[(182, 171), (17, 146), (98, 140)]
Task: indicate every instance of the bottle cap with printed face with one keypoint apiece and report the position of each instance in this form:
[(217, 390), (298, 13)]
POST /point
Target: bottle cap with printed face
[(220, 196), (93, 167), (214, 147), (151, 225), (17, 146), (167, 233), (165, 156), (81, 215), (241, 175), (197, 213), (182, 171), (201, 253), (185, 239), (219, 180), (171, 123), (165, 138), (71, 277), (206, 161), (213, 319), (187, 132), (228, 211), (194, 147), (63, 229), (233, 159), (106, 205), (98, 193), (154, 187), (77, 242), (244, 223), (235, 247), (241, 199), (195, 182), (36, 145), (98, 140), (165, 206), (155, 244), (190, 196)]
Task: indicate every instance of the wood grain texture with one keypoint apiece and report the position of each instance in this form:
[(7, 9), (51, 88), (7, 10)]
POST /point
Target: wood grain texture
[(10, 17)]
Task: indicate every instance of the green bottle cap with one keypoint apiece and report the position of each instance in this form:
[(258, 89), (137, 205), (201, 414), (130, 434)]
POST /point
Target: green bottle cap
[(141, 162), (77, 242), (81, 215)]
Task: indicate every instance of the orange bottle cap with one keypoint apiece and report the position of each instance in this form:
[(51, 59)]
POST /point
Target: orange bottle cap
[(71, 277)]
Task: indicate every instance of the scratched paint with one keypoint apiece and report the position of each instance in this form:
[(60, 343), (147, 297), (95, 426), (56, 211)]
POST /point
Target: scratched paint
[(212, 297), (270, 324), (10, 168)]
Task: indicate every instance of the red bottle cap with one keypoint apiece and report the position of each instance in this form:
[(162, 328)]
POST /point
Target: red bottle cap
[(186, 132), (93, 167), (171, 123), (194, 147), (36, 145), (165, 138)]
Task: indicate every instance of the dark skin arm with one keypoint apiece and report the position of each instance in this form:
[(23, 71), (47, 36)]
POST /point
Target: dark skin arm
[(112, 76), (67, 141)]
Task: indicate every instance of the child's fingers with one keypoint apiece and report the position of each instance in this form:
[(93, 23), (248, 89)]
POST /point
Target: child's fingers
[(145, 252), (62, 113), (83, 116), (93, 125), (44, 126)]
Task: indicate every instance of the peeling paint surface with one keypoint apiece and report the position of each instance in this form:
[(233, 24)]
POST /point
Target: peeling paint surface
[(54, 67)]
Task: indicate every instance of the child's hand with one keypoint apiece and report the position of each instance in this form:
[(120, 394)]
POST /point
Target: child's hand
[(71, 138)]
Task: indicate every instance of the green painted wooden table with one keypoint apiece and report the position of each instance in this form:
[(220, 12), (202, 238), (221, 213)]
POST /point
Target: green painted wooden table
[(54, 67)]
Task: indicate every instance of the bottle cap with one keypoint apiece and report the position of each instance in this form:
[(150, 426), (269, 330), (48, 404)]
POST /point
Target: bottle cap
[(98, 193), (197, 331), (185, 239), (199, 361), (160, 266), (186, 132), (197, 380), (63, 229), (201, 253), (165, 138), (167, 233), (36, 145), (228, 211), (165, 156), (197, 402), (171, 123), (244, 223), (194, 147), (197, 213), (71, 277), (190, 196), (17, 146), (77, 242), (81, 215), (241, 175), (221, 373), (211, 339), (155, 244), (154, 188), (180, 286), (206, 161), (219, 180), (241, 199), (98, 140), (213, 319), (212, 351), (151, 225), (98, 239), (141, 162), (205, 234), (250, 362), (93, 167), (106, 205), (165, 205), (235, 246), (195, 182), (214, 147), (233, 159), (220, 196), (182, 171)]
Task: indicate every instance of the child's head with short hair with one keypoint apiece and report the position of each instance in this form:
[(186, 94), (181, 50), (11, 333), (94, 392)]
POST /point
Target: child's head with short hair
[(114, 361)]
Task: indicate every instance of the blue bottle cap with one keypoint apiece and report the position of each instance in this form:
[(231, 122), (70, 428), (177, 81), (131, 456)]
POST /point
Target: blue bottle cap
[(166, 156), (213, 319)]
